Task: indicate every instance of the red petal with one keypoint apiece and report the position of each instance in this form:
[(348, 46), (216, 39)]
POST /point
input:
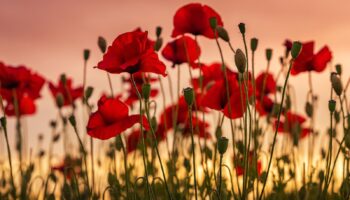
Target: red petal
[(321, 59)]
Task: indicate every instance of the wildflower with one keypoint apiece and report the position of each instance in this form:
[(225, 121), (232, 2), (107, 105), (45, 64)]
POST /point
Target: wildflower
[(65, 88)]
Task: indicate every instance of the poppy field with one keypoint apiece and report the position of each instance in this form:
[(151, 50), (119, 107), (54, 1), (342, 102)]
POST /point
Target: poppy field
[(229, 132)]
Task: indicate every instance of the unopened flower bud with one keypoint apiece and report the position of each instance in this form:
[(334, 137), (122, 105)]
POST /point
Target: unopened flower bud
[(296, 49), (3, 122), (338, 68), (102, 44), (336, 84), (213, 22), (86, 54), (222, 145), (240, 61), (154, 123), (241, 27), (72, 120), (254, 44), (158, 44), (63, 79), (146, 90), (309, 109), (88, 92), (189, 96), (222, 33), (268, 54), (158, 31), (59, 100), (331, 105)]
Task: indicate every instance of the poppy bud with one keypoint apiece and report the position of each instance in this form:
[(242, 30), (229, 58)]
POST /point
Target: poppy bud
[(268, 54), (158, 31), (296, 48), (86, 54), (53, 124), (59, 100), (213, 22), (254, 44), (240, 61), (72, 120), (88, 92), (331, 105), (222, 145), (222, 33), (158, 44), (336, 84), (146, 90), (63, 79), (338, 68), (3, 122), (102, 44), (241, 27), (189, 96), (309, 109)]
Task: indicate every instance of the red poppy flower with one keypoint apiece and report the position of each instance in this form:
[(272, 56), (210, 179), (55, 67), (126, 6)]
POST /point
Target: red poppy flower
[(182, 50), (133, 140), (210, 73), (194, 18), (264, 106), (216, 97), (265, 84), (69, 93), (22, 85), (308, 61), (167, 118), (132, 52), (111, 119), (240, 166), (288, 44), (26, 106), (292, 124)]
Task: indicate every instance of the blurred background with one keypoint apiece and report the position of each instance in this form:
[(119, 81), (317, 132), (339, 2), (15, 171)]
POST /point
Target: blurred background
[(49, 37)]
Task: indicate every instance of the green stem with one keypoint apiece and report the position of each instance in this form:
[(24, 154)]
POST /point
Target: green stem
[(193, 152), (278, 123)]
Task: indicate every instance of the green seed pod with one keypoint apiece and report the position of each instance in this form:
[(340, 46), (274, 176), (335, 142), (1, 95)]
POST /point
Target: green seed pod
[(218, 132), (213, 22), (268, 54), (241, 27), (296, 49), (189, 96), (102, 44), (222, 145), (86, 54), (146, 90), (254, 44), (222, 33), (331, 105), (336, 84), (240, 61)]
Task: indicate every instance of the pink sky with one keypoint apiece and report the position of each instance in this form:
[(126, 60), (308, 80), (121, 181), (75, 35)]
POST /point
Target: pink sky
[(49, 37)]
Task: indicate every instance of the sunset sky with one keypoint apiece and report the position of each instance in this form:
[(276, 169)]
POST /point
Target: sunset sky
[(49, 37)]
